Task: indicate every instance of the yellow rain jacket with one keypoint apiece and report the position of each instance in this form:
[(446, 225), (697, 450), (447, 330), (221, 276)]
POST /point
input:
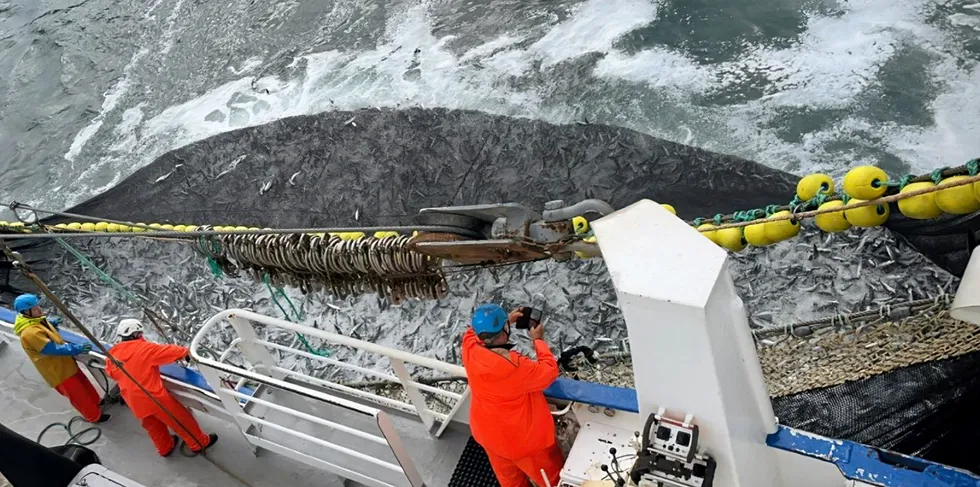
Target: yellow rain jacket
[(34, 334)]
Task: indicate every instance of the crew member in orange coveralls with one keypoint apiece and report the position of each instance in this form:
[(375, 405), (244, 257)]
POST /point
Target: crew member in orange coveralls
[(509, 416), (142, 359)]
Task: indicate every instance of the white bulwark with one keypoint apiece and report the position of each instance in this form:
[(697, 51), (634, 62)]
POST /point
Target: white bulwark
[(689, 338)]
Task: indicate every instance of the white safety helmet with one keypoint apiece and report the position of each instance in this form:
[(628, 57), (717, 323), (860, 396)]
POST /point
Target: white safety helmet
[(128, 327)]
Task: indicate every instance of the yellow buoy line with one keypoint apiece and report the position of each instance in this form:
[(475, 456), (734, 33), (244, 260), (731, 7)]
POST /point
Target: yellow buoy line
[(98, 226), (191, 230), (863, 203)]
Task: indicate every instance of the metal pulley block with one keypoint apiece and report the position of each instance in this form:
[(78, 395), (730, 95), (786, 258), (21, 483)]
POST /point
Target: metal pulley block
[(512, 233)]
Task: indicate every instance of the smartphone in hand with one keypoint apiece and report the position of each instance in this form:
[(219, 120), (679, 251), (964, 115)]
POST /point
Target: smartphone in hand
[(530, 318)]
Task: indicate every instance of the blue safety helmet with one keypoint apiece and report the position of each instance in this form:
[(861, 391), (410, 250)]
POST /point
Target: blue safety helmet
[(489, 318), (25, 302)]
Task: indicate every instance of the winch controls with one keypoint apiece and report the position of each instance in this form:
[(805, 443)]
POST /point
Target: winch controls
[(669, 455)]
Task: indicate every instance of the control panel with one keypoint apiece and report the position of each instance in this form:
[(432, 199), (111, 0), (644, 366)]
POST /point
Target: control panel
[(669, 455)]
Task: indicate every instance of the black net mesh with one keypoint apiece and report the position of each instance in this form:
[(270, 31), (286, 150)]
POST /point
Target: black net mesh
[(946, 241), (929, 410)]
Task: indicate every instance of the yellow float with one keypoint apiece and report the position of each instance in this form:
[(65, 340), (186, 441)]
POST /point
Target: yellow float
[(960, 200), (867, 216), (865, 182), (755, 235), (832, 222), (814, 184), (778, 231), (922, 207), (731, 238), (705, 230)]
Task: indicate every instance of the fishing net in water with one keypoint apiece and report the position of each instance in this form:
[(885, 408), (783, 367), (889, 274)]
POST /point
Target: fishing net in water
[(927, 410), (908, 385)]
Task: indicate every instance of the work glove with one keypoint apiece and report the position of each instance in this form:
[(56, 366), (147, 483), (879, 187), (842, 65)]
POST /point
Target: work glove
[(65, 349), (55, 321)]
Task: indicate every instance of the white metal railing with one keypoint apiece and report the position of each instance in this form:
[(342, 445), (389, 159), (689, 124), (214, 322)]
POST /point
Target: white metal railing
[(342, 459), (396, 358), (262, 367)]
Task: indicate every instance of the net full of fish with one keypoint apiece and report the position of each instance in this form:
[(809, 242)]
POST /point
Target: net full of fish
[(813, 276)]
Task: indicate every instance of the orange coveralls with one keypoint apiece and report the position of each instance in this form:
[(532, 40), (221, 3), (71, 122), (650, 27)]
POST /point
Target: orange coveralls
[(142, 360), (509, 416)]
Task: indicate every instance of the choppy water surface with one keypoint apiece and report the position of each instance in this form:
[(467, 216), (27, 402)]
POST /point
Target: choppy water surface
[(93, 89)]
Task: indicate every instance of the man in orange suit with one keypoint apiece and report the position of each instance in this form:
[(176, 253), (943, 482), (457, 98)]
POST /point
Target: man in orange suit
[(142, 359), (509, 415)]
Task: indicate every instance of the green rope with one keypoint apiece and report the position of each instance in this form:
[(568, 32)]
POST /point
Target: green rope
[(937, 175), (214, 267), (698, 222), (209, 247), (797, 205), (718, 218), (87, 263), (273, 290), (771, 209), (973, 167), (902, 183)]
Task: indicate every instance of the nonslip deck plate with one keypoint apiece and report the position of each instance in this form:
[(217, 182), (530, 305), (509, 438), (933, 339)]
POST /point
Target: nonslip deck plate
[(473, 469)]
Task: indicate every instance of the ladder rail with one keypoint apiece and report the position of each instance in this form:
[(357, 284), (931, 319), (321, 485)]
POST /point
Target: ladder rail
[(407, 357), (405, 466), (256, 351)]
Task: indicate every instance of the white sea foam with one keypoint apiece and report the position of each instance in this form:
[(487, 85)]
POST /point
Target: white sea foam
[(836, 60)]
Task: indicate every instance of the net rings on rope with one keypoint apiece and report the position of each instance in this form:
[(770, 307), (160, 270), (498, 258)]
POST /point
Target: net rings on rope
[(311, 262)]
